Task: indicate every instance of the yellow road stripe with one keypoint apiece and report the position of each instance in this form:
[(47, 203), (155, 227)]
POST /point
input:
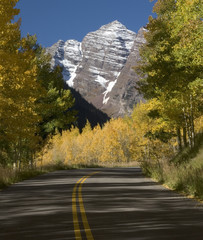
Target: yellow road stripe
[(82, 210), (74, 211)]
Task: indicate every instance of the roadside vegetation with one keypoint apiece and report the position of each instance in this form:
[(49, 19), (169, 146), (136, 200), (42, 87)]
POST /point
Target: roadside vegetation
[(187, 177), (183, 173)]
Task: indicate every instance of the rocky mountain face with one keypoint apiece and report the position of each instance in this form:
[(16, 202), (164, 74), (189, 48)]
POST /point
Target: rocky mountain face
[(100, 68)]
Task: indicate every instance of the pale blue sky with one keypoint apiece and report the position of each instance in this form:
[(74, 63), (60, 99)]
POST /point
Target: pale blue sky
[(52, 20)]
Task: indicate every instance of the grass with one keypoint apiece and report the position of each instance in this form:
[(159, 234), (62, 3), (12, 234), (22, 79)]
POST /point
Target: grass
[(188, 177), (183, 174), (10, 176)]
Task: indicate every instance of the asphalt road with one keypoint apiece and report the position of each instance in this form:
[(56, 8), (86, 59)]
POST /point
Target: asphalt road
[(100, 204)]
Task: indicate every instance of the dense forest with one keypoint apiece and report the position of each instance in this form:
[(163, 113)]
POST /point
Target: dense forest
[(38, 125)]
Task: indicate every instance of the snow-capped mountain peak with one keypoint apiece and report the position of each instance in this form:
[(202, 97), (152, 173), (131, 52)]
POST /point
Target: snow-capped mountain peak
[(115, 25), (94, 66)]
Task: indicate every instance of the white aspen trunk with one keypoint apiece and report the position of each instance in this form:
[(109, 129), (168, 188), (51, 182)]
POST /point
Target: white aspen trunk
[(14, 166), (186, 129), (192, 132)]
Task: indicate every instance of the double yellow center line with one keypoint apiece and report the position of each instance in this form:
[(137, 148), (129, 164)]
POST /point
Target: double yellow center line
[(78, 189)]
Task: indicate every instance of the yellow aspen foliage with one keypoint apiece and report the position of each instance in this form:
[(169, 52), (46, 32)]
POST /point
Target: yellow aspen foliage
[(114, 143), (19, 89), (199, 124), (119, 141), (95, 149), (187, 25), (171, 65), (149, 146)]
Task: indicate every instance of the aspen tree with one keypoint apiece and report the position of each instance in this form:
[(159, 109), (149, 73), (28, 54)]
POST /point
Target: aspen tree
[(19, 89), (171, 65)]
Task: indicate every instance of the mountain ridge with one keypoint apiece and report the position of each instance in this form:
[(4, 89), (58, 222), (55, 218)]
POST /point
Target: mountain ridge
[(98, 67)]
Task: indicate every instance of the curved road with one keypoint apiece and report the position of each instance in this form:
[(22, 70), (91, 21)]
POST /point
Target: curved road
[(100, 204)]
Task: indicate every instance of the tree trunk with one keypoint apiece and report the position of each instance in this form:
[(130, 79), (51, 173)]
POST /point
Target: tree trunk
[(192, 133), (179, 139), (186, 129), (184, 137), (192, 128)]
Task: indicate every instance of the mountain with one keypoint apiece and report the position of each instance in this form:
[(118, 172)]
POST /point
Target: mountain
[(100, 67)]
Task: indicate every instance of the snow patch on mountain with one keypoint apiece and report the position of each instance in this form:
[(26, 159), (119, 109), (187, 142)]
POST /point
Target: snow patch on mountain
[(109, 89), (68, 55), (70, 81), (101, 80)]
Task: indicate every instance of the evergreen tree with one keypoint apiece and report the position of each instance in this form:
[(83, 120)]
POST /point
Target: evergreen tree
[(56, 103)]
